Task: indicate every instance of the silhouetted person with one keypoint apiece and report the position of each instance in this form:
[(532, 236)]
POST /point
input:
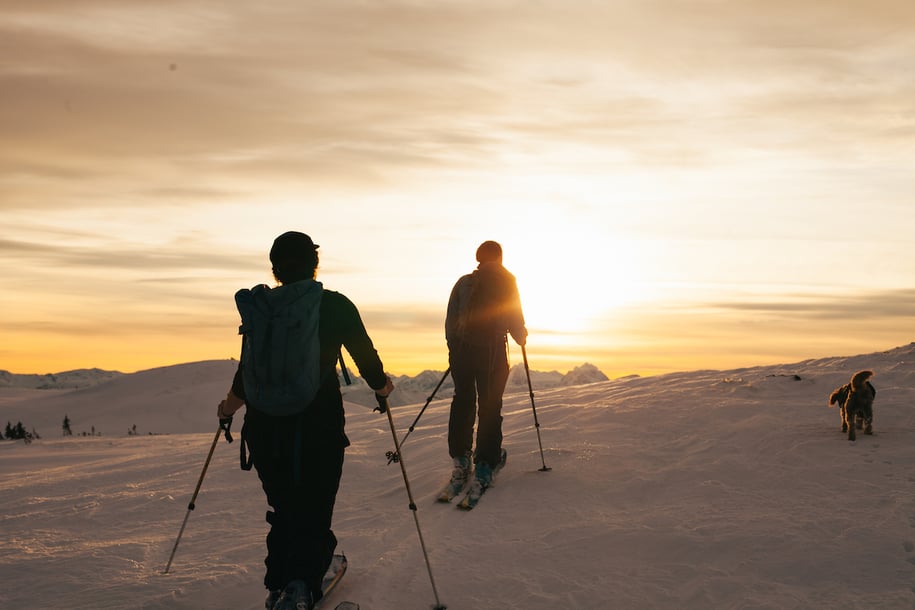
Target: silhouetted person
[(484, 307), (298, 455)]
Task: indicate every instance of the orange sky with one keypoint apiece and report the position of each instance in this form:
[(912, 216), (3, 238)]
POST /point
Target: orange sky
[(677, 184)]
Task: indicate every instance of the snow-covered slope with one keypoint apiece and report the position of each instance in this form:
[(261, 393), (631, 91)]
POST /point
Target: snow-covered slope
[(190, 392), (694, 490)]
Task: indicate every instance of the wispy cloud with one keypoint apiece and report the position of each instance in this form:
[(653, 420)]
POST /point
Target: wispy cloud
[(311, 92), (133, 258), (160, 146), (860, 307)]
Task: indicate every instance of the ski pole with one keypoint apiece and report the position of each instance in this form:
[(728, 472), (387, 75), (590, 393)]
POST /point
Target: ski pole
[(527, 371), (346, 378), (383, 407), (393, 456), (224, 425)]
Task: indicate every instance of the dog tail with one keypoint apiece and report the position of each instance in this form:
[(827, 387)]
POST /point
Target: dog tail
[(858, 380), (837, 396)]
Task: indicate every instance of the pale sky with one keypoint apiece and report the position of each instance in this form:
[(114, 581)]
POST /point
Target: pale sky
[(676, 184)]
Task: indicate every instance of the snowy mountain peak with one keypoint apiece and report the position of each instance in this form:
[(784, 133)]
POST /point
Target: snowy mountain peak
[(67, 380)]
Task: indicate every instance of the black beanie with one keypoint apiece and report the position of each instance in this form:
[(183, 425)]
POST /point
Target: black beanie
[(293, 249), (489, 251)]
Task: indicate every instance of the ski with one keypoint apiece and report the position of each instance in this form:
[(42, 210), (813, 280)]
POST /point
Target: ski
[(332, 578), (476, 491), (472, 497), (450, 491), (460, 478)]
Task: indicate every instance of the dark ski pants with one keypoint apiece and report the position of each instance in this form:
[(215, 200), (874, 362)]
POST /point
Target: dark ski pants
[(480, 374), (300, 473)]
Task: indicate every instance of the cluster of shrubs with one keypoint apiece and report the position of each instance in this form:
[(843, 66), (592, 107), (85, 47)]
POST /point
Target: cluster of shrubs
[(69, 432), (18, 432)]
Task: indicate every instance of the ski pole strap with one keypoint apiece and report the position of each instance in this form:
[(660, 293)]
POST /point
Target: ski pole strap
[(225, 423), (246, 460)]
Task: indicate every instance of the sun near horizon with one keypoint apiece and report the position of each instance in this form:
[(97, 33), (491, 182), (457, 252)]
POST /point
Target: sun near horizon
[(674, 187)]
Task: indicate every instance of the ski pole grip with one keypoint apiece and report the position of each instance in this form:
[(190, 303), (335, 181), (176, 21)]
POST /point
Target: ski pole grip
[(382, 403), (225, 423)]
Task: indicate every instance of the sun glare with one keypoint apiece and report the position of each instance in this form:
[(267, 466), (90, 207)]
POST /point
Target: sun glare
[(570, 274)]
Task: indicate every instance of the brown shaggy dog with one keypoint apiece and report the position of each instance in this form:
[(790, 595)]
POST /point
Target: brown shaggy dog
[(838, 398), (856, 403)]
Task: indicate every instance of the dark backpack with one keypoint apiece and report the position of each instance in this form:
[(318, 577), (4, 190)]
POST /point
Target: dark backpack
[(280, 356), (482, 318)]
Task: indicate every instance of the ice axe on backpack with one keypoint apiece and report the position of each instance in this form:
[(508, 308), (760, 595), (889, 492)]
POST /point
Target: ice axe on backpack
[(394, 456)]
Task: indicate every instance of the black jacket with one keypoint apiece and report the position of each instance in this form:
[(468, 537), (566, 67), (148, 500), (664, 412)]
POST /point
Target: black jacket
[(483, 307)]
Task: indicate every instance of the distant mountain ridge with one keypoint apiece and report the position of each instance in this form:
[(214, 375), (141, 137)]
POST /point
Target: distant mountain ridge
[(111, 402), (409, 388), (416, 389), (67, 380)]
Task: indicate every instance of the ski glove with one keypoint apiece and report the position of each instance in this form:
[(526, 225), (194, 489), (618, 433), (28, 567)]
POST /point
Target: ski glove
[(229, 406), (386, 390)]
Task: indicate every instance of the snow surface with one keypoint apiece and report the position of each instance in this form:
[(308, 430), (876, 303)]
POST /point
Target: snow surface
[(701, 489)]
